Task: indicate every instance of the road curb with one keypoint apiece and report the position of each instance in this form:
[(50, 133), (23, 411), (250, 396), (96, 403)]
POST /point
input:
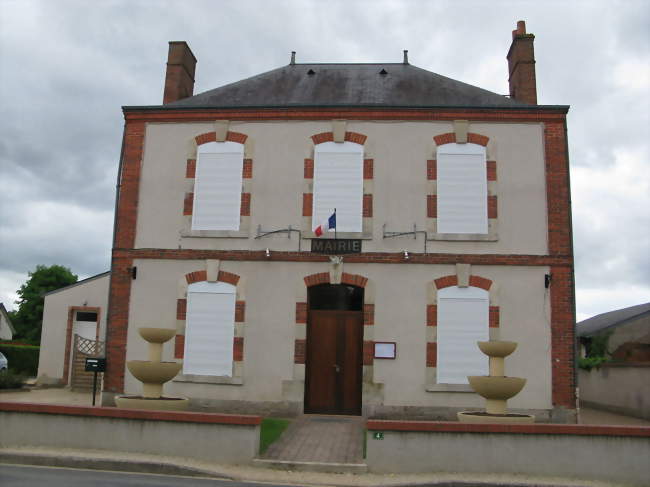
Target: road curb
[(44, 460)]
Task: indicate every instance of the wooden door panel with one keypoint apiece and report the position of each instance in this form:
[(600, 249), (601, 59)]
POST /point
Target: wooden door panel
[(321, 356), (334, 338), (350, 358)]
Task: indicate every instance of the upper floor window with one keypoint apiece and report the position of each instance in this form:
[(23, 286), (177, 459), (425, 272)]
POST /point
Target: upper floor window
[(462, 189), (338, 184), (463, 320), (218, 186), (209, 329)]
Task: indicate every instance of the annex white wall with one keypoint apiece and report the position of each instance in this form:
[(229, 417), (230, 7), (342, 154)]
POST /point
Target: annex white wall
[(92, 293)]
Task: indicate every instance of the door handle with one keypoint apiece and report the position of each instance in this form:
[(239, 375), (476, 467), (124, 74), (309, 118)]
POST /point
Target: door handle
[(337, 369)]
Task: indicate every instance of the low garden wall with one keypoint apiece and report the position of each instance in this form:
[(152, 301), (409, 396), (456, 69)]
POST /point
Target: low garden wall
[(606, 453), (622, 388), (223, 438)]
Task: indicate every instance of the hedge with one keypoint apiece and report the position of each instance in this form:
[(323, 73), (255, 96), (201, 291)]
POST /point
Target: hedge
[(23, 359)]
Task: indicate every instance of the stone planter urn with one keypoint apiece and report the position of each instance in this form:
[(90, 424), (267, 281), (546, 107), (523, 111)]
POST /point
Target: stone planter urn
[(496, 388), (153, 373)]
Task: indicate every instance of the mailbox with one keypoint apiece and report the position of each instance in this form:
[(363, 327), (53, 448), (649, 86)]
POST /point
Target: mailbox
[(95, 364)]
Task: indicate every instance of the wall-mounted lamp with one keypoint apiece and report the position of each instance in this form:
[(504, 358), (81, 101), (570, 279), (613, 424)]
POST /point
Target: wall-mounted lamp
[(133, 271), (547, 280), (406, 255), (268, 253)]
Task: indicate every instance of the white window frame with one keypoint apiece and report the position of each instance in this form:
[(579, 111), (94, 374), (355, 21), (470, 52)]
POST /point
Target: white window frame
[(463, 316), (462, 189), (208, 346), (218, 186), (343, 191)]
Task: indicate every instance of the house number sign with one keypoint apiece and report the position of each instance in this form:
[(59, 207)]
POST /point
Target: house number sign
[(331, 246)]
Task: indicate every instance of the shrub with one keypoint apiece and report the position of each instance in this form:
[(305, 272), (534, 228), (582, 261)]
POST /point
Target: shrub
[(9, 380), (23, 359)]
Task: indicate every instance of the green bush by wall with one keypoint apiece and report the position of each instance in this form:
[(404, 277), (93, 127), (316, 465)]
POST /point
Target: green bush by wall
[(23, 359)]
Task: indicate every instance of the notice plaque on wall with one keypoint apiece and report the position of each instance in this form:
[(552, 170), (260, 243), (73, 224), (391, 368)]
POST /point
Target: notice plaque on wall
[(332, 246)]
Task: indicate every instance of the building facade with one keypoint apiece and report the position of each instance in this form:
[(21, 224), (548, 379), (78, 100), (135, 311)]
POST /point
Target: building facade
[(452, 201)]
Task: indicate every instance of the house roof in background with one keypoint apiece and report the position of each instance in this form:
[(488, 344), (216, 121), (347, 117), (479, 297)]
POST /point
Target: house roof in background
[(346, 85), (611, 319), (83, 281)]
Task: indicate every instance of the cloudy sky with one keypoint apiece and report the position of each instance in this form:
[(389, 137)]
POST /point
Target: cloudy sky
[(67, 67)]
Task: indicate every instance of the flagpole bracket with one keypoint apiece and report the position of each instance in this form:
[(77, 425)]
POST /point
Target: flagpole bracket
[(289, 230), (414, 232)]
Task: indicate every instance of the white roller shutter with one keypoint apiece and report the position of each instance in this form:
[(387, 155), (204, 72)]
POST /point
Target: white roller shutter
[(462, 189), (209, 329), (463, 320), (338, 183), (217, 186)]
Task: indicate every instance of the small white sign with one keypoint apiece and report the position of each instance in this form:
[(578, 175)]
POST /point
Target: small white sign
[(385, 349)]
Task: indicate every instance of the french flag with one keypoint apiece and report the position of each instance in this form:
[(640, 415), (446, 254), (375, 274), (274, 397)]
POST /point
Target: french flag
[(327, 225)]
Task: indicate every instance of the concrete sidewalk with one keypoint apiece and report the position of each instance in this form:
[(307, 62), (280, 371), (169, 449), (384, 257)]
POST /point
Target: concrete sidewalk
[(102, 460)]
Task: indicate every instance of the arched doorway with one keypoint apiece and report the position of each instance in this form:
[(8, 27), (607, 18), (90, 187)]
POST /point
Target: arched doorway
[(334, 358)]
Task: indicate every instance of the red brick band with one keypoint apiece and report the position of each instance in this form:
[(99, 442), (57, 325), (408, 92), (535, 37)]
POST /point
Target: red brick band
[(535, 429), (103, 412)]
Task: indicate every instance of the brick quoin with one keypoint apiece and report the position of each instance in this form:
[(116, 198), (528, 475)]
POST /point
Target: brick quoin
[(118, 323), (179, 346), (238, 349), (432, 169), (309, 169), (181, 309), (240, 311), (247, 169), (190, 169), (299, 351), (245, 209), (188, 203), (368, 168), (492, 206), (491, 167), (307, 203), (432, 354), (494, 317), (432, 315), (562, 288), (368, 314), (432, 206), (367, 205), (368, 352), (301, 312)]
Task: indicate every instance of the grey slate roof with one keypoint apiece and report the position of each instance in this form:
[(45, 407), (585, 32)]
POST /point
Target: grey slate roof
[(346, 85), (611, 319)]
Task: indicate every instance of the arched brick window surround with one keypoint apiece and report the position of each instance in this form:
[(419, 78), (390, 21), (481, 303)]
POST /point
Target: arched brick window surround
[(432, 318), (247, 175), (368, 190), (432, 199), (239, 320)]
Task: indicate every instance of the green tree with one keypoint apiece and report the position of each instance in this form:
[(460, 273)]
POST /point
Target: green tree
[(28, 318)]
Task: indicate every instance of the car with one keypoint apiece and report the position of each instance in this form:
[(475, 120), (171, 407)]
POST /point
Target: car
[(3, 362)]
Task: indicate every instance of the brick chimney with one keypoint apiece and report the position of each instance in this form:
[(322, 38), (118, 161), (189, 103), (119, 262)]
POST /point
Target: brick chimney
[(179, 80), (521, 66)]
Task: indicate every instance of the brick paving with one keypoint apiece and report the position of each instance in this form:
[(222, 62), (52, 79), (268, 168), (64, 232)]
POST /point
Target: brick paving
[(323, 439)]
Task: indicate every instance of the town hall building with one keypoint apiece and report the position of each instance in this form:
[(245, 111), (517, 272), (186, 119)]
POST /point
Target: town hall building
[(453, 225)]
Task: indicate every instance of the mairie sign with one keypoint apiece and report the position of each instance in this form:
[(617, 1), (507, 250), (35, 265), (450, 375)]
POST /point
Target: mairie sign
[(332, 246)]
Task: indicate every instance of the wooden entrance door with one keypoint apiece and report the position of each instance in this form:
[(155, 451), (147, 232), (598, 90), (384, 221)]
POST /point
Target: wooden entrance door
[(334, 362)]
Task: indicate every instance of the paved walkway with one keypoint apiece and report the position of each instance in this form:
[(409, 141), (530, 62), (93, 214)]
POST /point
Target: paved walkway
[(323, 439)]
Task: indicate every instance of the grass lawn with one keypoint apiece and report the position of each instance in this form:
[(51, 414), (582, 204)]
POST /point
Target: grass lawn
[(270, 431)]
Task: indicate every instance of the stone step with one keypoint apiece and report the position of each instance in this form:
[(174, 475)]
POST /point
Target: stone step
[(295, 466)]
